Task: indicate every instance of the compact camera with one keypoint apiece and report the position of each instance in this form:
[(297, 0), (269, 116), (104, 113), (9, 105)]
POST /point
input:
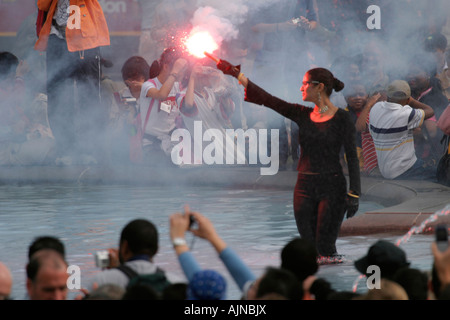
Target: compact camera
[(191, 221), (441, 237), (102, 259)]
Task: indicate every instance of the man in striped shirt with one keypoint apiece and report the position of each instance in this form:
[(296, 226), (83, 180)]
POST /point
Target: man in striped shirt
[(391, 125)]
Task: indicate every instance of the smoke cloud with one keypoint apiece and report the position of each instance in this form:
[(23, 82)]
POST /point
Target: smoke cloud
[(343, 36)]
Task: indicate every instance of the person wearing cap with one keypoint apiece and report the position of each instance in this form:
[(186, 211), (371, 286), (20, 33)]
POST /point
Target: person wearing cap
[(385, 255), (391, 124), (427, 88), (207, 285)]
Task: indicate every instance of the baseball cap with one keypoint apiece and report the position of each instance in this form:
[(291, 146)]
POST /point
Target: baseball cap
[(399, 89), (384, 254)]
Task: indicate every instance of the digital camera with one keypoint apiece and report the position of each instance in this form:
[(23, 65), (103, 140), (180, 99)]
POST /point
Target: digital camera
[(102, 259)]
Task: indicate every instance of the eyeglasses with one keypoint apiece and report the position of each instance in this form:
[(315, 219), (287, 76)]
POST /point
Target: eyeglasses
[(309, 82)]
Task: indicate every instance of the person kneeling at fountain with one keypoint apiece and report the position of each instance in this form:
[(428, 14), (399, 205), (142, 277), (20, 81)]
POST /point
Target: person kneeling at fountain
[(391, 124)]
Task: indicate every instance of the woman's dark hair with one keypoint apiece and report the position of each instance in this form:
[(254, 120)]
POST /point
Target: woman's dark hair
[(325, 76), (135, 67), (169, 56)]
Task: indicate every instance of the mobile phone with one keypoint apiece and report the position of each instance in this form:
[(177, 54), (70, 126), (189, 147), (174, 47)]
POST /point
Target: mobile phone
[(441, 237)]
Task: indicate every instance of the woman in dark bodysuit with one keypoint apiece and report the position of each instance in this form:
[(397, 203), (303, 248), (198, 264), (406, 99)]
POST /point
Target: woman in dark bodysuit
[(321, 198)]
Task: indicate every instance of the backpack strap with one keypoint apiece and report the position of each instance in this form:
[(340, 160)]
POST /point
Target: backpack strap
[(149, 110), (130, 273)]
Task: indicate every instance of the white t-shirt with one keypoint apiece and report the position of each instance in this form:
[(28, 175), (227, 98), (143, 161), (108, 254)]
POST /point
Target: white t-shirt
[(391, 127), (207, 110), (210, 113), (162, 117)]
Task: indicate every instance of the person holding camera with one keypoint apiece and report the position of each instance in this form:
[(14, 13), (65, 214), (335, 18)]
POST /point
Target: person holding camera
[(321, 196), (202, 227), (138, 245)]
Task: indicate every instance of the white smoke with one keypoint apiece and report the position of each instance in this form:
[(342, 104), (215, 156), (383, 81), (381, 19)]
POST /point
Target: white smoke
[(223, 18), (210, 19)]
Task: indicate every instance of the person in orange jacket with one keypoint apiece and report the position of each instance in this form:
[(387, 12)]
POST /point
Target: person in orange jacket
[(71, 34)]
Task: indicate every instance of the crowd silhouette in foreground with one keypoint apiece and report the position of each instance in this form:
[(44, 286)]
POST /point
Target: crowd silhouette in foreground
[(131, 273)]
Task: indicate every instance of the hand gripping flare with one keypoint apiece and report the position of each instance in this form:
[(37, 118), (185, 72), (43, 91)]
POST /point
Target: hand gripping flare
[(225, 66)]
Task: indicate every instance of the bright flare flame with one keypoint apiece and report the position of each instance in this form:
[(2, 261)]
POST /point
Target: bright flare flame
[(200, 42)]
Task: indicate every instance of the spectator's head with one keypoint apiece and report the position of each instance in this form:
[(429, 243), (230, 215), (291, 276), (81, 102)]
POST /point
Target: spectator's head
[(348, 68), (46, 242), (385, 255), (106, 292), (175, 291), (343, 295), (135, 68), (414, 281), (140, 291), (372, 59), (138, 237), (166, 61), (356, 96), (8, 65), (399, 92), (421, 72), (47, 276), (5, 282), (389, 290), (280, 282), (319, 82), (299, 256), (436, 42), (207, 285)]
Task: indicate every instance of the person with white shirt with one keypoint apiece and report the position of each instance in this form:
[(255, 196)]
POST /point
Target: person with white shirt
[(157, 105), (391, 124)]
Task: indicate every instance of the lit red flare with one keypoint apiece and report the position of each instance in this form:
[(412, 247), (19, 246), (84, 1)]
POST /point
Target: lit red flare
[(216, 60), (198, 43)]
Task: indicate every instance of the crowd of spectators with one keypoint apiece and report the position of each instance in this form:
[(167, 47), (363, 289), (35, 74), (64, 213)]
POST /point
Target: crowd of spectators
[(130, 272), (271, 41), (395, 100)]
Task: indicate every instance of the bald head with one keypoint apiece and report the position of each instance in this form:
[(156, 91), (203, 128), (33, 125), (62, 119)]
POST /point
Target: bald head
[(47, 276), (5, 281)]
